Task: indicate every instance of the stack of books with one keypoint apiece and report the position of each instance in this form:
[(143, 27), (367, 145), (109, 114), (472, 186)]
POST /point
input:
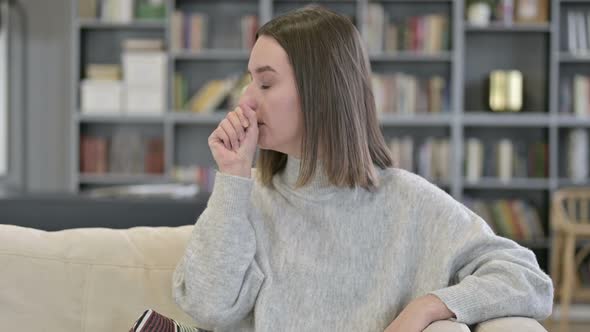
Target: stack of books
[(574, 96), (433, 157), (407, 94), (122, 11), (515, 219), (578, 33), (216, 94), (505, 159), (101, 92), (144, 73), (428, 34), (190, 31), (126, 152)]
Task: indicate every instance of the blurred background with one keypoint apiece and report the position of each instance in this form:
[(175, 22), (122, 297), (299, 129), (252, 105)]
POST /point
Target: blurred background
[(106, 106)]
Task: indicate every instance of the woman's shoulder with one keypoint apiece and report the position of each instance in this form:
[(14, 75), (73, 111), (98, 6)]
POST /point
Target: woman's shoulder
[(399, 182), (394, 178)]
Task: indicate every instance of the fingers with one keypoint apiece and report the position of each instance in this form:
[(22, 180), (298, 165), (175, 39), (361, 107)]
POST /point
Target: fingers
[(220, 134), (228, 127), (237, 124), (232, 130), (240, 113), (250, 115)]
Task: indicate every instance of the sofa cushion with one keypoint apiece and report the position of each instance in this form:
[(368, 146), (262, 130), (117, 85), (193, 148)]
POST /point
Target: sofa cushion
[(88, 279)]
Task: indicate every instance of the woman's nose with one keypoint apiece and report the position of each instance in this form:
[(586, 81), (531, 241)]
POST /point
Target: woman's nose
[(248, 99)]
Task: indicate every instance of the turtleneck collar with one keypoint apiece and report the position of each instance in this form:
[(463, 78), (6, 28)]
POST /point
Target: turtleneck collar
[(318, 187)]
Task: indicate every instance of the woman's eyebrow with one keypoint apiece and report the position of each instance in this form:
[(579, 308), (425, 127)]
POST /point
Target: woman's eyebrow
[(263, 69)]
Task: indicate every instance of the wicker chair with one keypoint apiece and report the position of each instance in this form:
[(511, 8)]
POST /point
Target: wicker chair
[(570, 221)]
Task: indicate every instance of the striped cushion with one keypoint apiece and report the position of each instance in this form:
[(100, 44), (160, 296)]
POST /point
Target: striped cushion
[(151, 321)]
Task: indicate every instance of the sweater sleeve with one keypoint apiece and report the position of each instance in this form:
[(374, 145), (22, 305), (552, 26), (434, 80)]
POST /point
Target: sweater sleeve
[(217, 280), (488, 276)]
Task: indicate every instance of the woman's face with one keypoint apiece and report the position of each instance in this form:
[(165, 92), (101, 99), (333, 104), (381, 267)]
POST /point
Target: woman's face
[(272, 93)]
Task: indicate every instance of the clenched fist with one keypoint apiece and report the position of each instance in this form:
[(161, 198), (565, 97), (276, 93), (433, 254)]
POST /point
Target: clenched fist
[(233, 143)]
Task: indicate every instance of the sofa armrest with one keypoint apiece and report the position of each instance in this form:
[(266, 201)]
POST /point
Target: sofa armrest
[(520, 324), (446, 326)]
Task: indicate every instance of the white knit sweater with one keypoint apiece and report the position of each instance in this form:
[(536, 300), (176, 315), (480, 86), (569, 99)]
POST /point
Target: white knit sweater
[(323, 258)]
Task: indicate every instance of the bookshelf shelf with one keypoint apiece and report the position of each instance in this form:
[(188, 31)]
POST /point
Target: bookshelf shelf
[(566, 57), (116, 179), (486, 119), (415, 120), (565, 182), (406, 56), (122, 118), (305, 2), (573, 121), (512, 184), (415, 1), (143, 24), (186, 117), (501, 28), (217, 55)]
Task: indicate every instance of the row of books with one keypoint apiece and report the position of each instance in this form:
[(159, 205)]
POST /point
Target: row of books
[(426, 34), (578, 32), (433, 156), (222, 93), (190, 31), (577, 155), (407, 94), (574, 95), (514, 219), (505, 159), (122, 11), (204, 177), (135, 86), (127, 152)]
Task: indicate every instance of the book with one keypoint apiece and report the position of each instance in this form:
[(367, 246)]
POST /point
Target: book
[(180, 91), (154, 157), (94, 155), (376, 19), (474, 160), (577, 155), (109, 72), (572, 32), (581, 100), (143, 44), (581, 30), (126, 155), (150, 10), (88, 9), (101, 96), (505, 154), (212, 94), (516, 219), (120, 11)]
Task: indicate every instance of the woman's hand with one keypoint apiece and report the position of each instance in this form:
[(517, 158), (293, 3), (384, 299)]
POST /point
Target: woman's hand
[(417, 315), (233, 142)]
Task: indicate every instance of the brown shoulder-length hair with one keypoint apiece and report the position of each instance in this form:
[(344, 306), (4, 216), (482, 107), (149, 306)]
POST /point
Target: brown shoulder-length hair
[(332, 74)]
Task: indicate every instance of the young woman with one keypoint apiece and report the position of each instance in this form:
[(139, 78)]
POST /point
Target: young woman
[(325, 235)]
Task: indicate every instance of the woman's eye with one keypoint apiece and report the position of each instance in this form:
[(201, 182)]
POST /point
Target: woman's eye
[(265, 87)]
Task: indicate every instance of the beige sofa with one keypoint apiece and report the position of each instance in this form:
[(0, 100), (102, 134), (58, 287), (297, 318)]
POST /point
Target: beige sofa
[(98, 279)]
